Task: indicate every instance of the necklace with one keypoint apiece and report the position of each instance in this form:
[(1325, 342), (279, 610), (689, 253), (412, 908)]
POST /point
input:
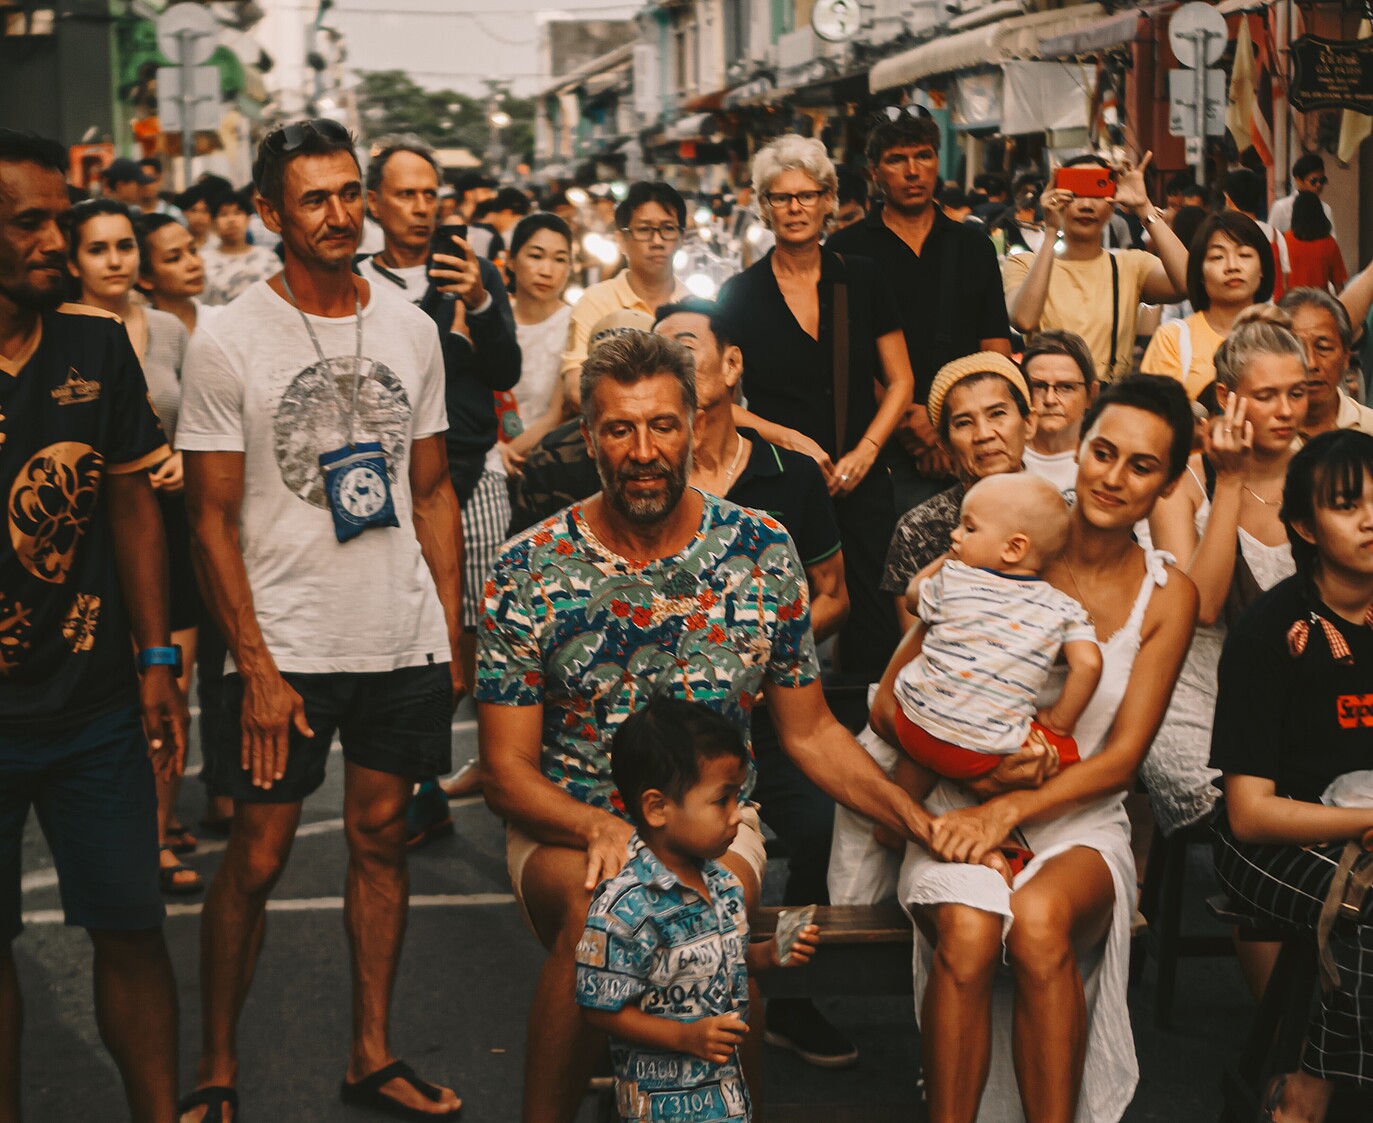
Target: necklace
[(733, 464), (1260, 498), (1081, 596)]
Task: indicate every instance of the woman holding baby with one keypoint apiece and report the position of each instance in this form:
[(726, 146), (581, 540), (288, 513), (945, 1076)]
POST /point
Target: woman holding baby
[(1292, 718), (1050, 1040)]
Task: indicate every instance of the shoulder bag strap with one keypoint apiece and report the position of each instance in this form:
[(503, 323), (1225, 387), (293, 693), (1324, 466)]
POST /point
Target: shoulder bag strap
[(1115, 315), (1184, 348), (841, 362)]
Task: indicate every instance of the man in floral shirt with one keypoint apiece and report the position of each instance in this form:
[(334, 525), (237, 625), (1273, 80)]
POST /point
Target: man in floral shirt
[(647, 589)]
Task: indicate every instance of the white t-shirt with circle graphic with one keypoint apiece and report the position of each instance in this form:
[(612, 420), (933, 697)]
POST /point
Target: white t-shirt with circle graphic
[(252, 384)]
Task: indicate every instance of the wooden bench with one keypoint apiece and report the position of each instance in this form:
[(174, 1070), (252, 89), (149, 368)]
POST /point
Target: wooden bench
[(864, 950)]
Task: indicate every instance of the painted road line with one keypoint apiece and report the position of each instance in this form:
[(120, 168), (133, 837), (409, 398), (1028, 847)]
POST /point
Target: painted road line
[(315, 904)]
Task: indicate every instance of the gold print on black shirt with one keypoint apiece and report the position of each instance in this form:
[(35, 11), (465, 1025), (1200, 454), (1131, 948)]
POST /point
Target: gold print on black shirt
[(50, 505), (76, 390), (79, 626), (16, 621)]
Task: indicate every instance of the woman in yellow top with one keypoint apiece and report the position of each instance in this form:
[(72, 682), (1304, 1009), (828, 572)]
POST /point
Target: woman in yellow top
[(1229, 267)]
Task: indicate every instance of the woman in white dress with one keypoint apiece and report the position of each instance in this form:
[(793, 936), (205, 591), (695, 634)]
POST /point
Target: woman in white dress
[(1054, 1036), (104, 255), (1222, 524), (540, 263)]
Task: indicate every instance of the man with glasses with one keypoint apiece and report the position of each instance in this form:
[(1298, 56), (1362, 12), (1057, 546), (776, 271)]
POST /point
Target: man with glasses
[(1062, 381), (1308, 174), (943, 274), (650, 222), (327, 539)]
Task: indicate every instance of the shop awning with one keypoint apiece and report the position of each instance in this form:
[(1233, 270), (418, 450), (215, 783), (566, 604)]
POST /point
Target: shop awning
[(989, 45), (1119, 29)]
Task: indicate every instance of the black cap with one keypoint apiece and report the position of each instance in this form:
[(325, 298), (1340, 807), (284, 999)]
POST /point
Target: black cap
[(123, 170)]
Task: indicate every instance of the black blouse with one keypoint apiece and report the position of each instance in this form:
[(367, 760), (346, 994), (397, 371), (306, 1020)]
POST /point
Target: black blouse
[(1298, 720), (788, 376)]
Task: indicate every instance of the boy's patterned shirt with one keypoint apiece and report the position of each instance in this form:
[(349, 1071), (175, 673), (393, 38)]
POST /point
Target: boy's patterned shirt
[(653, 942)]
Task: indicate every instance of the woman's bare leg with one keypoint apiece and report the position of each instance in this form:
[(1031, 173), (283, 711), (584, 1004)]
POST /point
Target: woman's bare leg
[(956, 1017), (1066, 907)]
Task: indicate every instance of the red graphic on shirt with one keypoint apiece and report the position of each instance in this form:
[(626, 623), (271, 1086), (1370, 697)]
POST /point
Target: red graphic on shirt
[(1354, 710)]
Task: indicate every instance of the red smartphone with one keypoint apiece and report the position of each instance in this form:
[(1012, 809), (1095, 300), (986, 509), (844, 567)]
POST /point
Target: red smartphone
[(1087, 181), (441, 241)]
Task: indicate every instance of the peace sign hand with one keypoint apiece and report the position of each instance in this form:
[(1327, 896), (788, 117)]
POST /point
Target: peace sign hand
[(1131, 194), (1228, 441)]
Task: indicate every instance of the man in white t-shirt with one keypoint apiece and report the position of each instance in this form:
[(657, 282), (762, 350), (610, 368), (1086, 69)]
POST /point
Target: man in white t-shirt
[(1308, 174), (1062, 378), (326, 532)]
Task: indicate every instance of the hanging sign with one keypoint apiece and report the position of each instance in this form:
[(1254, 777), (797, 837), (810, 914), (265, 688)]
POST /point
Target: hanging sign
[(1332, 74)]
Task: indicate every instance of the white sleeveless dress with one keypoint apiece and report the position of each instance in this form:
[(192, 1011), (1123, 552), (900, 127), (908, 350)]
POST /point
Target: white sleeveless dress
[(1177, 773), (1111, 1071)]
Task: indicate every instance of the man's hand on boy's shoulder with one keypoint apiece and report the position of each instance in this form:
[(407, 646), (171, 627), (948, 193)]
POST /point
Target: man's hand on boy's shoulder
[(607, 848), (713, 1039)]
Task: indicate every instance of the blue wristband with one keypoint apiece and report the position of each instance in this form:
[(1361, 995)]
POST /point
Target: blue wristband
[(161, 657)]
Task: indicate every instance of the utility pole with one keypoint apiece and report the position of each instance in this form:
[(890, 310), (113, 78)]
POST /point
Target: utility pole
[(496, 120)]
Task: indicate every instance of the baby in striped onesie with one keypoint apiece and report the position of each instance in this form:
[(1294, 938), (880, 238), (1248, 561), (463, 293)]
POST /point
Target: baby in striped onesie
[(961, 690)]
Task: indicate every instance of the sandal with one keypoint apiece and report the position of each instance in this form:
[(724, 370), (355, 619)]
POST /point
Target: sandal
[(216, 1097), (166, 877), (182, 841), (367, 1093), (1273, 1100)]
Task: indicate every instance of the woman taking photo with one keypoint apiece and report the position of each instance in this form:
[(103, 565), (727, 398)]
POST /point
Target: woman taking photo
[(1229, 268), (104, 256), (1222, 524), (791, 314), (171, 273), (1058, 1046), (1314, 253), (539, 265), (1290, 670)]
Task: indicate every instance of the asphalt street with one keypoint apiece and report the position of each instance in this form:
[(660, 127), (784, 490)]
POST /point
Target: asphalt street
[(463, 991)]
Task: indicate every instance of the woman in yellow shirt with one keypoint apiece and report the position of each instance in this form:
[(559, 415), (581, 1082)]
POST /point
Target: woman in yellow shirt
[(1229, 267)]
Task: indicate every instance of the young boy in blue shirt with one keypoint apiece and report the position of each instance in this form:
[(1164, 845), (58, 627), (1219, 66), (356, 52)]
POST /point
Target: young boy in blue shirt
[(663, 964)]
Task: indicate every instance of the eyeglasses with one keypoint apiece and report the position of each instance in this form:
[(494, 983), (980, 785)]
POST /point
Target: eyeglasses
[(1319, 181), (290, 137), (893, 113), (1059, 389), (781, 200), (668, 232)]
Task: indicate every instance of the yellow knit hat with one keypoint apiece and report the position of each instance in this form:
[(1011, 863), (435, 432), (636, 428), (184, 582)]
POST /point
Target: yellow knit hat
[(983, 362)]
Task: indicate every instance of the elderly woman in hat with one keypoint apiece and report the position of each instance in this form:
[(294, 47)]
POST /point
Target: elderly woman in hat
[(980, 407)]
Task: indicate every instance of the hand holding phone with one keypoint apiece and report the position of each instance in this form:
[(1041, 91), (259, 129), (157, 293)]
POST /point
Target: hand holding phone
[(1086, 181)]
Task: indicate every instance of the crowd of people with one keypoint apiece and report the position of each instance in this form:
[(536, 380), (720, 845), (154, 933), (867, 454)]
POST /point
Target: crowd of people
[(1075, 488)]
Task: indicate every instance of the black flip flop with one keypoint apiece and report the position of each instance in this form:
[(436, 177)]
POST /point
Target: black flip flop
[(367, 1093), (167, 882), (183, 843), (216, 1097)]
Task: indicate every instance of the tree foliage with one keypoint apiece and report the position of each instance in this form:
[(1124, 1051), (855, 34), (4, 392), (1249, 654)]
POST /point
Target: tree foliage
[(389, 101)]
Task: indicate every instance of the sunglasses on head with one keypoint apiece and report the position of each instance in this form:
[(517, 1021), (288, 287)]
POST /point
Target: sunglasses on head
[(890, 114), (290, 137)]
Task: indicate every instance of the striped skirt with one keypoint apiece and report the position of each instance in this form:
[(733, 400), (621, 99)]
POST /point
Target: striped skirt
[(485, 518), (1289, 883)]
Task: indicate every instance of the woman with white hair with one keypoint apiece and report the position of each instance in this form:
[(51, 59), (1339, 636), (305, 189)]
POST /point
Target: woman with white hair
[(817, 332)]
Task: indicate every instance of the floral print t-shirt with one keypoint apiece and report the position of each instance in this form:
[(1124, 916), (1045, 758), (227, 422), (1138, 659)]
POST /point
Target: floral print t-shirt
[(593, 637)]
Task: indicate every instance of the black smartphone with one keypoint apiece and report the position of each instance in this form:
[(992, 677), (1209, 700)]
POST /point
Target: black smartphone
[(442, 240)]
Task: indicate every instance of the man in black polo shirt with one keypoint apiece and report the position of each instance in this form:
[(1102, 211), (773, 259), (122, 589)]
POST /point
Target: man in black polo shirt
[(83, 583), (943, 275), (743, 468)]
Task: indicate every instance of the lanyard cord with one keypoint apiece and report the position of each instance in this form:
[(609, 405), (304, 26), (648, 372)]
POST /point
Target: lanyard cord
[(347, 410)]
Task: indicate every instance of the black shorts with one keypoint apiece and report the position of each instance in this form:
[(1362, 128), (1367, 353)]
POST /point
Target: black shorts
[(399, 722), (93, 789)]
